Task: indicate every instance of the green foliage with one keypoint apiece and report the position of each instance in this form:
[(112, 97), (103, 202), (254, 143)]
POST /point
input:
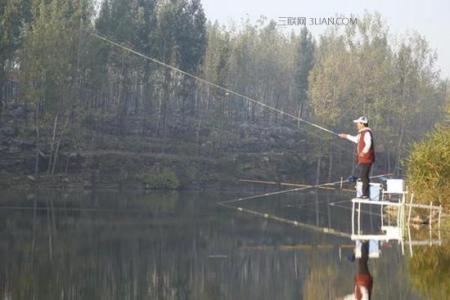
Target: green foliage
[(13, 15), (10, 20), (359, 72), (49, 58), (165, 179), (255, 60), (429, 168), (352, 75), (192, 37), (71, 77), (305, 62)]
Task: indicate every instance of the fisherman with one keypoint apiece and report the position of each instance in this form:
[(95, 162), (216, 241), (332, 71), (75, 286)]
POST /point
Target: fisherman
[(365, 151)]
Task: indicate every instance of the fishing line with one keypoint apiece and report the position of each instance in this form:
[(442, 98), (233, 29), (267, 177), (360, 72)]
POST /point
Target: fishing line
[(217, 86), (308, 132)]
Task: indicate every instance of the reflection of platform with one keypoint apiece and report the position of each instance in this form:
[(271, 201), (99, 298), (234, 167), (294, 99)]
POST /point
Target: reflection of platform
[(374, 249), (394, 224)]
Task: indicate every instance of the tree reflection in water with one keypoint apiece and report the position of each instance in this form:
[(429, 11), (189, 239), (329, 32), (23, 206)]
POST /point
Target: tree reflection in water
[(109, 245), (429, 269)]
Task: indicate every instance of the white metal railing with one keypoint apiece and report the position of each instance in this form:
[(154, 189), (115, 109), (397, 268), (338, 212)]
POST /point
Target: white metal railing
[(394, 229)]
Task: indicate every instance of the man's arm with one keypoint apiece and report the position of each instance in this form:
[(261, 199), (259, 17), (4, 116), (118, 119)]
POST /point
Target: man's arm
[(351, 138)]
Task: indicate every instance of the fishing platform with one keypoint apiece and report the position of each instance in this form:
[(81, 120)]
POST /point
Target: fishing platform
[(389, 211), (395, 205)]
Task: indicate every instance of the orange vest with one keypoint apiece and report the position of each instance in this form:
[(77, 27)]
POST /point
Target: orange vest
[(369, 157)]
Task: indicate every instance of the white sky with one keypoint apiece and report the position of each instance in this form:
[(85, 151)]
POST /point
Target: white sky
[(429, 18)]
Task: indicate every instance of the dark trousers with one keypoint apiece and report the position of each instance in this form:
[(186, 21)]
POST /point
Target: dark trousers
[(364, 170)]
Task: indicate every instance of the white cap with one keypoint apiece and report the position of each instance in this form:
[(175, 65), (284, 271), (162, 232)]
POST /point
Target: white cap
[(361, 119)]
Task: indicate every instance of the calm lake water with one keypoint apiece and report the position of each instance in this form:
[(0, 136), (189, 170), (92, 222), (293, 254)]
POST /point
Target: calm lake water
[(182, 245)]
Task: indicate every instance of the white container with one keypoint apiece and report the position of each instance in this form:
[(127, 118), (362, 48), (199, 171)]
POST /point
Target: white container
[(375, 190), (396, 186)]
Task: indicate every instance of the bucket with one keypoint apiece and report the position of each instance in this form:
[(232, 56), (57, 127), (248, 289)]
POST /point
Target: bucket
[(374, 190)]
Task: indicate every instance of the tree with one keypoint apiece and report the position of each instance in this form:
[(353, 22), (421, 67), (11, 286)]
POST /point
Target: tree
[(122, 75), (305, 63), (358, 72), (48, 66), (428, 168), (13, 14), (191, 42), (181, 35)]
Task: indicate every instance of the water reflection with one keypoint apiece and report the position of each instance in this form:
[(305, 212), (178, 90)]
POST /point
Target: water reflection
[(429, 269), (363, 278), (108, 245)]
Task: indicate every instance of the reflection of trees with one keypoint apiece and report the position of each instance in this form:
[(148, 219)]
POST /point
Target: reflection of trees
[(429, 269), (321, 283), (162, 247), (158, 202), (136, 247)]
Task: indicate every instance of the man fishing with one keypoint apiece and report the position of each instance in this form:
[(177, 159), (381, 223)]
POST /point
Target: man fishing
[(365, 151)]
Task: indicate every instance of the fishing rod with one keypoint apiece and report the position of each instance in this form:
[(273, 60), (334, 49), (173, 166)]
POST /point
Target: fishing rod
[(210, 83), (302, 188), (290, 184), (273, 182)]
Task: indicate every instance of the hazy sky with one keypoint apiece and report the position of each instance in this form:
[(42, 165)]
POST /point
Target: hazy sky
[(429, 18)]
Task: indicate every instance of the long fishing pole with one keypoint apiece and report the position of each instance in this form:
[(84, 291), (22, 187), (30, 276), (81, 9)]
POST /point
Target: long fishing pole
[(302, 188), (290, 184), (217, 86)]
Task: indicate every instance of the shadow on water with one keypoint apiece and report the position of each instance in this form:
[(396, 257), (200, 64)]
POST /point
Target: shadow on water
[(181, 245)]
